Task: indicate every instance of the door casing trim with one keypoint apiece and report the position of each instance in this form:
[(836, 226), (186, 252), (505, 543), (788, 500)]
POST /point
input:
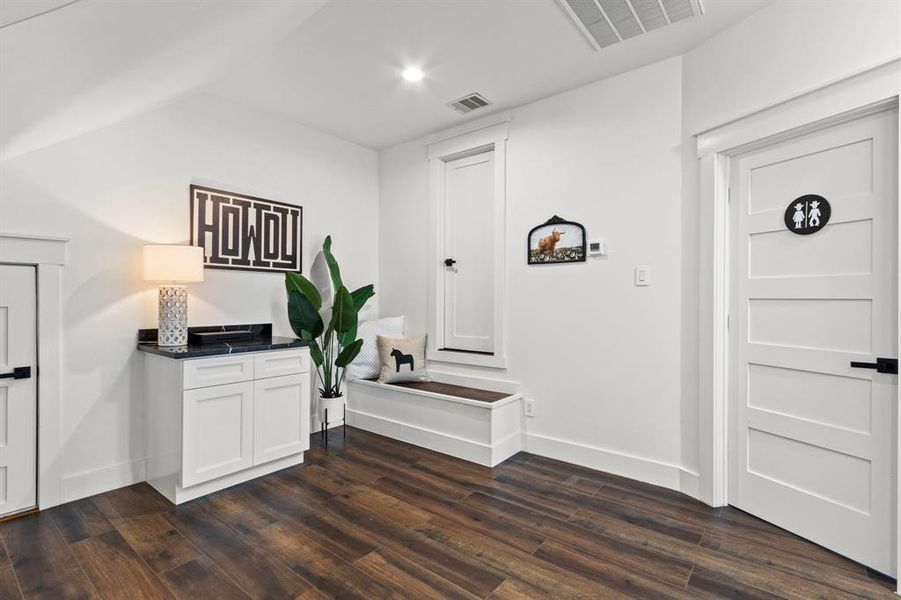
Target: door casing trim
[(489, 136), (48, 255), (865, 92)]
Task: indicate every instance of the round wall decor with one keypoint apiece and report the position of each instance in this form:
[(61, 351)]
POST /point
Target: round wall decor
[(807, 214)]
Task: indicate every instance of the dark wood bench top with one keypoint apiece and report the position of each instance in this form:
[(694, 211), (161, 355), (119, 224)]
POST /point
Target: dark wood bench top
[(457, 391)]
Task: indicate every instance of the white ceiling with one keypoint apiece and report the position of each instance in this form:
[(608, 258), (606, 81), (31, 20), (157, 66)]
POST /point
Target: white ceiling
[(13, 11), (332, 65), (93, 63), (339, 71)]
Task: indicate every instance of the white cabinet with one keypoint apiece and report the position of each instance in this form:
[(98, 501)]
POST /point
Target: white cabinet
[(217, 436), (280, 425), (218, 421)]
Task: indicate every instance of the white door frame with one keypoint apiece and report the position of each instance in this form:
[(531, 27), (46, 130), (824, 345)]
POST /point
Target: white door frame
[(48, 256), (871, 90), (477, 137)]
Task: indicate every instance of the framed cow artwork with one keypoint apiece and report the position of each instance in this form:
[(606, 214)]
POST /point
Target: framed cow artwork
[(556, 241)]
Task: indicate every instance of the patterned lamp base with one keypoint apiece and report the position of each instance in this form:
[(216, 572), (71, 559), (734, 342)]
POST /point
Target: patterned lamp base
[(173, 315)]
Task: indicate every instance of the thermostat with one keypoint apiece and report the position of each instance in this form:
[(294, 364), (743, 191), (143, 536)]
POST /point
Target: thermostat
[(597, 248)]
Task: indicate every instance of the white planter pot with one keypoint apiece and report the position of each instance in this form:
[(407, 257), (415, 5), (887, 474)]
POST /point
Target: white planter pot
[(335, 408)]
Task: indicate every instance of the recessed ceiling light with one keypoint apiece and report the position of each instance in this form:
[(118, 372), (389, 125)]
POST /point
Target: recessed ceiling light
[(412, 74)]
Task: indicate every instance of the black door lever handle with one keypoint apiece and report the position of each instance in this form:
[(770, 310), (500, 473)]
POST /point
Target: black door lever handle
[(449, 262), (18, 373), (882, 365)]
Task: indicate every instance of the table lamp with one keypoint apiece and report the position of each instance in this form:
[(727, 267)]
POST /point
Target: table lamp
[(172, 266)]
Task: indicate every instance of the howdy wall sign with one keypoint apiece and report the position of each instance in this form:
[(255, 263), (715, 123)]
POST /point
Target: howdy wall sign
[(245, 233)]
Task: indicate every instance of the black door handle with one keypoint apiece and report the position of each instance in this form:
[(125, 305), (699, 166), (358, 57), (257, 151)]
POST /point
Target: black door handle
[(882, 365), (449, 262), (18, 373)]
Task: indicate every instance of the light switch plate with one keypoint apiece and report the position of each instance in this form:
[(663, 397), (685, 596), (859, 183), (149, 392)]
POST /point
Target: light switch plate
[(642, 275)]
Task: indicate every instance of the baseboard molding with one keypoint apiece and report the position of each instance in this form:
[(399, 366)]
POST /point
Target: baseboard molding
[(690, 483), (104, 479), (97, 481), (471, 450), (601, 459)]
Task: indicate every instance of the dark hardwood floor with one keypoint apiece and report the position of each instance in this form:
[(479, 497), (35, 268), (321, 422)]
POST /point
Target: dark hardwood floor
[(376, 518)]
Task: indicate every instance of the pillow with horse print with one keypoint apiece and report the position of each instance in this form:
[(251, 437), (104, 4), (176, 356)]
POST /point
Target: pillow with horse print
[(402, 359)]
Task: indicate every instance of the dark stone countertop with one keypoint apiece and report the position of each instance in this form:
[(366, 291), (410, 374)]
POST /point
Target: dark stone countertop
[(263, 340)]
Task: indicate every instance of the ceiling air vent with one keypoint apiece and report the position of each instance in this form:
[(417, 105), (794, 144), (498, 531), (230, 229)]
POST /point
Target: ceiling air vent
[(469, 103), (607, 22)]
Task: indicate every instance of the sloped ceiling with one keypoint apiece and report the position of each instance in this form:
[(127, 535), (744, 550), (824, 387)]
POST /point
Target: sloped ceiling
[(13, 11), (92, 63), (332, 65)]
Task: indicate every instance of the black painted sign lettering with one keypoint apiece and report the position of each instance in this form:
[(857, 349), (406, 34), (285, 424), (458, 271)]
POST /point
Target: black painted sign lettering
[(245, 233)]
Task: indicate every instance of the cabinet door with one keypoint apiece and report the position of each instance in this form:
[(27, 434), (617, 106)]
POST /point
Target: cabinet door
[(217, 438), (281, 417)]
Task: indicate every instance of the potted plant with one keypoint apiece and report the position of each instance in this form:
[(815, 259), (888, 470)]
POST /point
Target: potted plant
[(333, 334)]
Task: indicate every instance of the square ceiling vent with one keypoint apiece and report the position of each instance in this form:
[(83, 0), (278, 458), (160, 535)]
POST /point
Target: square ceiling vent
[(469, 103), (607, 22)]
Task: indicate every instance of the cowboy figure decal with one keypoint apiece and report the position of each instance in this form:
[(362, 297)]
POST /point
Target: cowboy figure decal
[(807, 214), (813, 216)]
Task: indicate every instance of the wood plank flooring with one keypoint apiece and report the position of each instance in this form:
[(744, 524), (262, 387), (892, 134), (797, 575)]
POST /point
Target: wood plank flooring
[(370, 517)]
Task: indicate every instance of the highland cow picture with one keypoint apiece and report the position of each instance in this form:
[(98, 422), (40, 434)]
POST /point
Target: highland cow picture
[(556, 241)]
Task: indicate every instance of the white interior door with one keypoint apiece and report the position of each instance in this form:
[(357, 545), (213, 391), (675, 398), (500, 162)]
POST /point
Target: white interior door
[(812, 443), (18, 397), (469, 245)]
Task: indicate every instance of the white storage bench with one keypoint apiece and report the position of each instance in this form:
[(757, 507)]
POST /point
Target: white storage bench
[(476, 425)]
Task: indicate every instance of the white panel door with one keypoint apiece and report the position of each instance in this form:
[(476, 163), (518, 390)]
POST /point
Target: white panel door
[(217, 438), (18, 397), (281, 417), (469, 242), (812, 439)]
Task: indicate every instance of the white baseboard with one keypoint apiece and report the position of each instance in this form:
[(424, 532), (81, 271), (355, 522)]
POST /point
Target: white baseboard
[(471, 450), (601, 459), (690, 483), (104, 479), (97, 481)]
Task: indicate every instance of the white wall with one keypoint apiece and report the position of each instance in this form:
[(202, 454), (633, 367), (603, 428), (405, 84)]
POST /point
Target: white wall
[(599, 355), (115, 189), (614, 369), (786, 49), (598, 154)]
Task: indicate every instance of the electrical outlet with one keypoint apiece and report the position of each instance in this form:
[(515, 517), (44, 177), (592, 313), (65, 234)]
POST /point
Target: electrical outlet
[(529, 407)]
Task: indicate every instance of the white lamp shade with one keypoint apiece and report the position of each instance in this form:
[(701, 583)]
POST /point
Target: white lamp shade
[(173, 263)]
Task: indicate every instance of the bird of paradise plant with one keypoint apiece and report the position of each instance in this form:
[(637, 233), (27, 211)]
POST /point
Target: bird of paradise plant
[(334, 342)]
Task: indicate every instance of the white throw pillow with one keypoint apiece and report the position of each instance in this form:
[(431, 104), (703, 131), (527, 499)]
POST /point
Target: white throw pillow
[(367, 365)]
